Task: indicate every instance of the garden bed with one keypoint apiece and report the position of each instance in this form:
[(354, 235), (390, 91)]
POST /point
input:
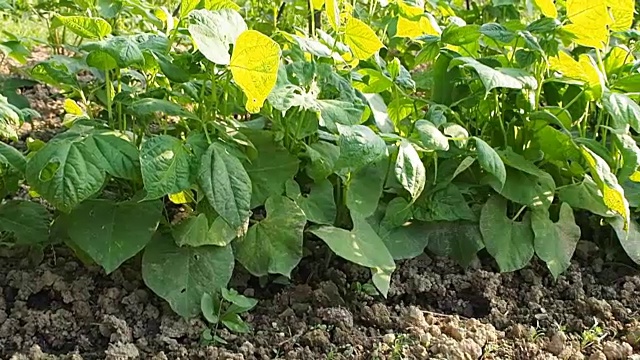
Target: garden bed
[(62, 309)]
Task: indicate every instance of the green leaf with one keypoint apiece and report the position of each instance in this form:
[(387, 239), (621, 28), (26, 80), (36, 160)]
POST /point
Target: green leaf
[(111, 232), (359, 146), (274, 245), (226, 185), (122, 49), (410, 170), (430, 137), (508, 241), (629, 238), (319, 205), (271, 169), (380, 113), (491, 78), (405, 241), (525, 189), (365, 188), (193, 271), (210, 308), (446, 204), (623, 110), (322, 156), (193, 231), (555, 243), (27, 221), (150, 106), (66, 172), (214, 31), (241, 302), (234, 323), (397, 213), (584, 195), (334, 112), (361, 245), (120, 156), (630, 152), (497, 32), (460, 35), (12, 157), (490, 161), (459, 240), (165, 166), (86, 27)]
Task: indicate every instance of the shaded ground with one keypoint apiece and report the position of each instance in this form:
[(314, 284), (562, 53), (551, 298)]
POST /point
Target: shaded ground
[(53, 307)]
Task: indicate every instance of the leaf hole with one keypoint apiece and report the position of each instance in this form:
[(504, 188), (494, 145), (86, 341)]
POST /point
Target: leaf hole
[(49, 171), (196, 257), (184, 290)]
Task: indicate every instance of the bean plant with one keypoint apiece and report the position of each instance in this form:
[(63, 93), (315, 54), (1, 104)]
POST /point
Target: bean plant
[(224, 134)]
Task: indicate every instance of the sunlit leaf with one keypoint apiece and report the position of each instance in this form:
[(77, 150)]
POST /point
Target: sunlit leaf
[(254, 65), (547, 8), (622, 13), (612, 192), (361, 39)]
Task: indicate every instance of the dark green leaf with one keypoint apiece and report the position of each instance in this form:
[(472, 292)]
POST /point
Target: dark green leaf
[(226, 185), (555, 243), (27, 221), (271, 169), (490, 161), (359, 146), (193, 271), (274, 245), (165, 166), (66, 172), (113, 232), (508, 241), (459, 240)]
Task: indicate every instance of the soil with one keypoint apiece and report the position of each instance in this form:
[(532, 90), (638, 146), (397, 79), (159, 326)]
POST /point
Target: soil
[(54, 307)]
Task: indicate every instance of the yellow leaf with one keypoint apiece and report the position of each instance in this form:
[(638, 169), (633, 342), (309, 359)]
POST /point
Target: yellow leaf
[(612, 192), (589, 22), (618, 57), (181, 198), (597, 37), (254, 66), (221, 4), (622, 13), (333, 13), (414, 28), (588, 13), (410, 11), (635, 177), (547, 8), (361, 39), (317, 4), (583, 70), (72, 107)]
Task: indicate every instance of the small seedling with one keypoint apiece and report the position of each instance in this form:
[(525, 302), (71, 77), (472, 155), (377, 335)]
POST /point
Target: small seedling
[(226, 310), (592, 336)]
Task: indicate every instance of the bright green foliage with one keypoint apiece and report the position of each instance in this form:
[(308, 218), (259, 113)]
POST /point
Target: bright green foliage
[(219, 134)]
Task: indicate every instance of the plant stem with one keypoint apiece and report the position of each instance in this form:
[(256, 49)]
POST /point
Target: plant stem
[(109, 95)]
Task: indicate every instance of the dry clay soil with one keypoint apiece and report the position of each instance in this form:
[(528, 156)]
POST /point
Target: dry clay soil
[(54, 307)]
